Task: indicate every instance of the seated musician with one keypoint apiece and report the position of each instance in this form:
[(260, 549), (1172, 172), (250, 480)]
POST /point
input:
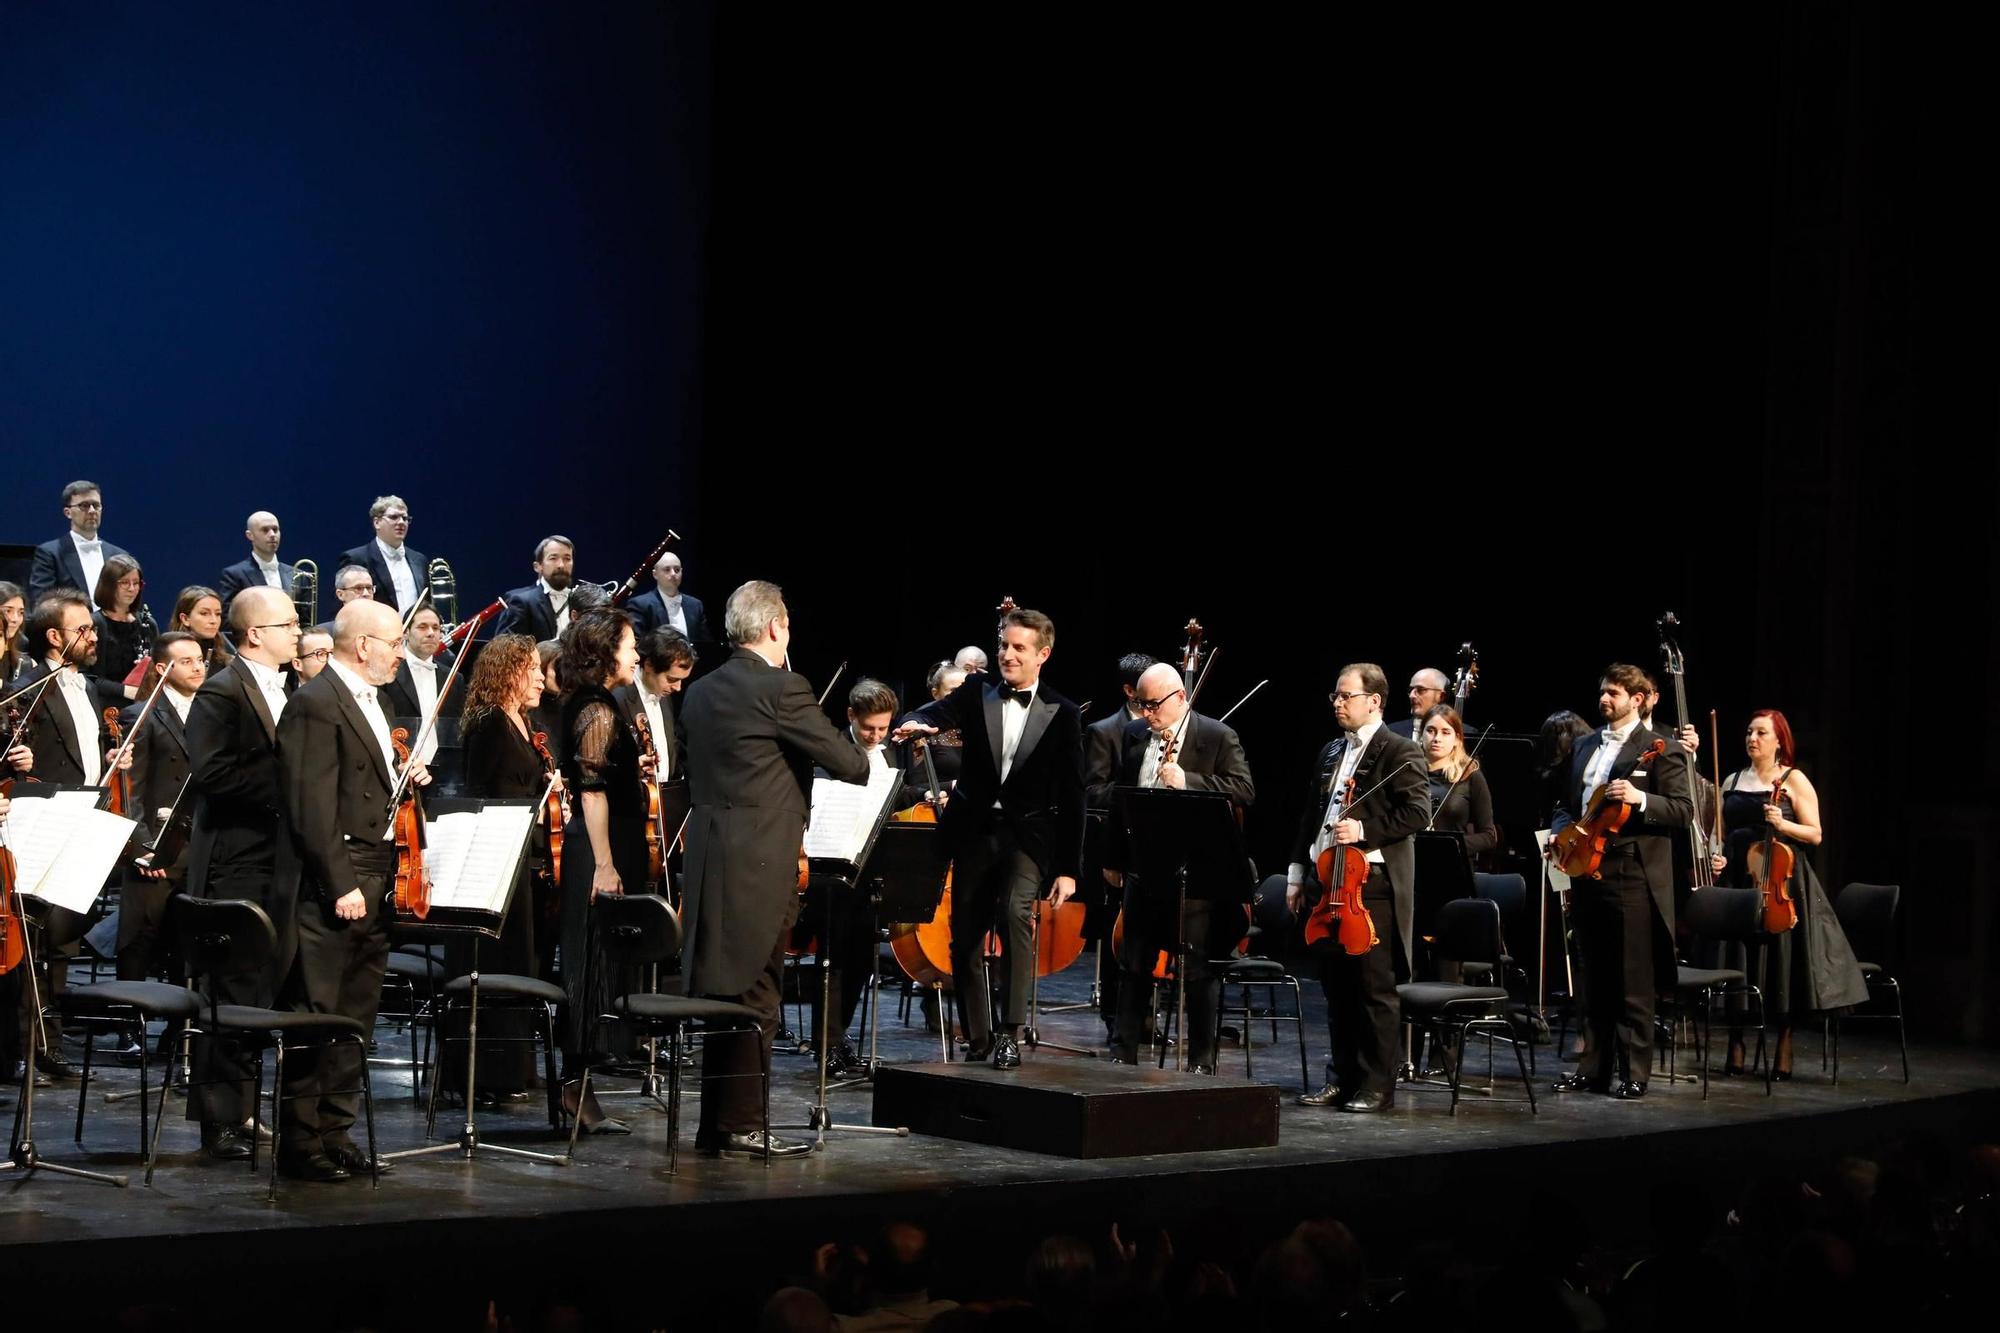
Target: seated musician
[(1460, 799), (1174, 747)]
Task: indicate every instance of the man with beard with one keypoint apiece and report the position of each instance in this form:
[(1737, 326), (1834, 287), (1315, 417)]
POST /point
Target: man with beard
[(542, 610)]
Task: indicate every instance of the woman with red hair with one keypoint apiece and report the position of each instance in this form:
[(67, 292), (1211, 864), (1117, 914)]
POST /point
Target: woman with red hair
[(1810, 968)]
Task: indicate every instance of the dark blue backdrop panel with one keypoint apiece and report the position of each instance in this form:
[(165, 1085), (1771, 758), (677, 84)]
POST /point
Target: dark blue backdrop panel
[(297, 256)]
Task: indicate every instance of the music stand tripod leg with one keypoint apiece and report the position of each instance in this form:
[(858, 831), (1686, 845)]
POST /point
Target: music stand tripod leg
[(819, 1117), (23, 1156), (467, 1143)]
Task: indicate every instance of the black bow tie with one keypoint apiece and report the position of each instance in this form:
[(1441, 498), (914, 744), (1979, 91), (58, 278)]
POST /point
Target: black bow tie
[(1021, 697)]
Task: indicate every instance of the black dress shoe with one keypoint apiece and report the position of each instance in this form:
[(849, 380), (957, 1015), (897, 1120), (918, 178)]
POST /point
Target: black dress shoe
[(979, 1052), (1369, 1103), (1577, 1082), (1201, 1067), (751, 1144), (223, 1143), (54, 1066), (349, 1158), (316, 1167), (250, 1128), (1006, 1052), (1330, 1095), (1630, 1091)]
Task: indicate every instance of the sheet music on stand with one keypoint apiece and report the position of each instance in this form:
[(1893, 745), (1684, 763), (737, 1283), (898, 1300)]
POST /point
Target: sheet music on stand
[(65, 847), (473, 851), (846, 819)]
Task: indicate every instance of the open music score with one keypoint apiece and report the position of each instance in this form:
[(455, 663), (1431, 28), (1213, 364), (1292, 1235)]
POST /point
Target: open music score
[(473, 851), (64, 846), (847, 815)]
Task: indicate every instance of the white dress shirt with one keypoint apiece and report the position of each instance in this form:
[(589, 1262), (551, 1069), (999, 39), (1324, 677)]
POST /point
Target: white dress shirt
[(1350, 758), (878, 755), (655, 707), (676, 615), (1599, 767), (1149, 767), (424, 676), (398, 560), (271, 681), (273, 576), (83, 715), (182, 704), (1013, 721), (558, 600), (371, 709), (90, 553)]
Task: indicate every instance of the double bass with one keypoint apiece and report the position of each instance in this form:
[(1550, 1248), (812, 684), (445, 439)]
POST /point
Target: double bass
[(1701, 844)]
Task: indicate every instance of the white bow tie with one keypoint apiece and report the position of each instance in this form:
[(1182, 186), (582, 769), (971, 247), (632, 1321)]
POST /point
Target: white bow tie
[(89, 543), (395, 553)]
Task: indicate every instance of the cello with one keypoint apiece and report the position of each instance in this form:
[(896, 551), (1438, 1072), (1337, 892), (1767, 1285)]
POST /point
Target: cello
[(1579, 848), (1771, 863), (1466, 680)]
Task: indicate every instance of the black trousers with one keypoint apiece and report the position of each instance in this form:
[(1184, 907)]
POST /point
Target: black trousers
[(1144, 943), (142, 912), (1362, 1007), (340, 969), (1614, 926), (851, 951), (223, 1092), (732, 1094), (994, 887)]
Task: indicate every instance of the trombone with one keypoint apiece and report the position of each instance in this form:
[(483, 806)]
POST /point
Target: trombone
[(444, 590), (305, 592)]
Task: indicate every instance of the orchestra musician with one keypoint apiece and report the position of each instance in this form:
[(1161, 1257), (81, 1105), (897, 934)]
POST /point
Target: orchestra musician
[(1173, 746), (1428, 688), (397, 571), (75, 559), (1103, 760), (125, 629), (338, 767), (666, 660), (604, 850), (198, 611), (263, 569), (160, 767), (420, 674), (1624, 918), (542, 609), (239, 845), (1810, 968), (1015, 822), (1389, 802), (754, 733), (665, 606), (315, 647), (970, 659), (350, 583), (13, 615), (1460, 799)]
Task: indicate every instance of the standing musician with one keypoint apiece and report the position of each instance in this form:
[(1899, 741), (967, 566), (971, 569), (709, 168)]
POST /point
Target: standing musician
[(1175, 747), (604, 851), (13, 615), (420, 674), (338, 767), (315, 648), (1015, 821), (160, 766), (754, 733), (665, 606), (1811, 967), (1459, 797), (240, 845), (542, 609), (1428, 688), (1624, 918), (970, 659), (397, 570), (666, 660), (263, 569), (74, 559), (1389, 802), (1103, 760), (198, 611), (125, 628), (350, 583)]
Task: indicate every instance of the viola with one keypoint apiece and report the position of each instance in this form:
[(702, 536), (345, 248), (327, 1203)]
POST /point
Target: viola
[(1580, 847), (413, 881), (554, 805), (655, 858), (1340, 913), (1771, 866)]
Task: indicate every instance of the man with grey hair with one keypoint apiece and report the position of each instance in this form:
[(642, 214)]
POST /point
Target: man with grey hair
[(754, 732), (1427, 689), (263, 568), (970, 658), (399, 570)]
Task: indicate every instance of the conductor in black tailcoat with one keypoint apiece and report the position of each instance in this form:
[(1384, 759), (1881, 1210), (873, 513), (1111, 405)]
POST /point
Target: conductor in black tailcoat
[(1015, 821), (754, 733)]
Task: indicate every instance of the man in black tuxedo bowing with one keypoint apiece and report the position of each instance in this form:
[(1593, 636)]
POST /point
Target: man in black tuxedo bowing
[(541, 610), (1015, 821), (1176, 748), (399, 570), (238, 846), (75, 559), (1368, 792), (1625, 917), (754, 733), (339, 766), (263, 569)]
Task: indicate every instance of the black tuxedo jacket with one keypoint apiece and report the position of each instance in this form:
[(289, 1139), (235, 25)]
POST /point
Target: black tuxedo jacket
[(336, 782), (1668, 807), (527, 611), (1042, 800), (369, 555), (159, 761), (1104, 756), (1389, 813), (1210, 755), (754, 735), (245, 574), (649, 611), (399, 696), (1408, 729), (51, 732), (673, 745), (56, 566)]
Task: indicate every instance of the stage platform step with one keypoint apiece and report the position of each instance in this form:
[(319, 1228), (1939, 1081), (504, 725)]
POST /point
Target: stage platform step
[(1078, 1108)]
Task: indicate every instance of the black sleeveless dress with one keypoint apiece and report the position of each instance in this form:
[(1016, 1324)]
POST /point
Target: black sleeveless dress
[(1810, 968)]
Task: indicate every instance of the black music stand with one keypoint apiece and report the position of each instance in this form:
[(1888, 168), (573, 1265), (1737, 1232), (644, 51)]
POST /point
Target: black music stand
[(468, 1141), (1171, 838), (905, 879)]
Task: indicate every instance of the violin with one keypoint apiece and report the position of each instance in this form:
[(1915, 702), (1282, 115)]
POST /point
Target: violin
[(554, 806), (1580, 847), (13, 944), (1340, 913), (1771, 866), (655, 859), (413, 882), (118, 781)]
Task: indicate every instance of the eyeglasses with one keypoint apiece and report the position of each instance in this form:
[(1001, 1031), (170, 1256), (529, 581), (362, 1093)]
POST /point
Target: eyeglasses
[(1150, 705), (292, 624), (323, 654), (1341, 696), (86, 504), (396, 642)]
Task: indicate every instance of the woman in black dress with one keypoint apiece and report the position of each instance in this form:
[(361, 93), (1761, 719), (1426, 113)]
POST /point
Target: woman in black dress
[(1459, 794), (604, 849), (502, 763), (1810, 968), (125, 629)]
